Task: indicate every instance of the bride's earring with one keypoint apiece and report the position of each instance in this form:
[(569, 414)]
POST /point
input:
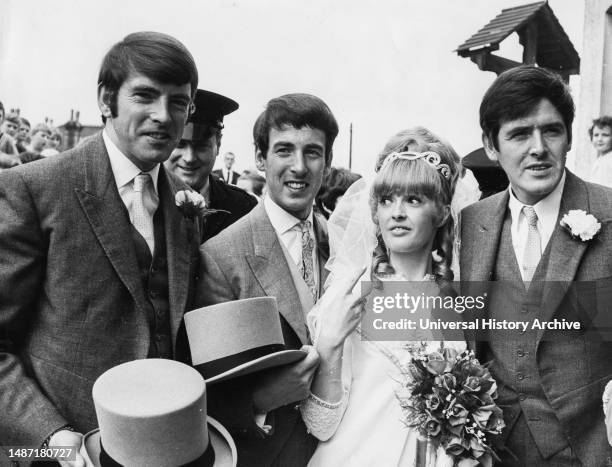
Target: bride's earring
[(436, 256)]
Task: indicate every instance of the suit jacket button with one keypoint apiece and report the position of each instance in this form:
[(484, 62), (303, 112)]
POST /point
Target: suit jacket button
[(522, 397), (520, 353), (520, 376)]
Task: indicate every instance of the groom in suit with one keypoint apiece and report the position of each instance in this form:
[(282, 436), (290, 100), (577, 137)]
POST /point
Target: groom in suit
[(96, 261), (550, 382), (279, 249)]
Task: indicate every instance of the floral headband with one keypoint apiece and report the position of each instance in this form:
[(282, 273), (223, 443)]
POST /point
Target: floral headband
[(432, 158)]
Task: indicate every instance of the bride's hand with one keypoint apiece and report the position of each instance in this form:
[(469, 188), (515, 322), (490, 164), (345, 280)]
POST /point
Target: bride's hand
[(341, 311)]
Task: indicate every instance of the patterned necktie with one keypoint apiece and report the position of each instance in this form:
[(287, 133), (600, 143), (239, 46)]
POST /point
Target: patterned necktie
[(141, 218), (533, 249), (307, 264)]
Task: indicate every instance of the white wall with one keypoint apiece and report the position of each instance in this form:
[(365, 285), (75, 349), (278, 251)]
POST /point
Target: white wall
[(596, 77)]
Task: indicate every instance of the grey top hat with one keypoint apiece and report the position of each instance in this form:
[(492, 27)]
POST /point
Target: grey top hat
[(153, 413), (237, 338)]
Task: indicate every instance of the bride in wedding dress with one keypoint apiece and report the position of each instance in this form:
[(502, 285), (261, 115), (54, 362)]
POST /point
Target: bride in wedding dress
[(398, 229)]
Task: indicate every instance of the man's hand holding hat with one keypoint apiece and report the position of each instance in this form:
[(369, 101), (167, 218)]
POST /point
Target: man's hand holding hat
[(68, 438)]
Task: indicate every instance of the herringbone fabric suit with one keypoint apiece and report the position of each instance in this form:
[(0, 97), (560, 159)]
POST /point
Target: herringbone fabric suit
[(555, 381), (247, 260), (72, 299)]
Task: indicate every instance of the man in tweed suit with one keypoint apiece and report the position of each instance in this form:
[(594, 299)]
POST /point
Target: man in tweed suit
[(550, 382), (96, 261), (264, 254)]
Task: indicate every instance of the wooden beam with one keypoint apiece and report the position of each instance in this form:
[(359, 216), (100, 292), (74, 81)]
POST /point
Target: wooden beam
[(529, 39), (486, 61)]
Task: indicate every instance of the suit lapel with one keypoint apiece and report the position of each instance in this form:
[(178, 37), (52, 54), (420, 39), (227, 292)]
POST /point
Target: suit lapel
[(178, 242), (484, 245), (479, 256), (108, 217), (565, 252), (272, 272)]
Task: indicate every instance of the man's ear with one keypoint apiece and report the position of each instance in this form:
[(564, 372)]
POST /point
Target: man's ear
[(259, 160), (104, 101), (489, 147)]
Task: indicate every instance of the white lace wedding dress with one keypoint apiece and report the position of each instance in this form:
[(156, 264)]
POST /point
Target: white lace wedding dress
[(367, 427)]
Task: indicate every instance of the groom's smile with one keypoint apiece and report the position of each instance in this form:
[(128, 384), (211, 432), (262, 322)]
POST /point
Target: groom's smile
[(294, 165)]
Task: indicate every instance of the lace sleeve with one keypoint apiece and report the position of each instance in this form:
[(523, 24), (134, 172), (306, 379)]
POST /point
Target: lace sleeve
[(322, 418)]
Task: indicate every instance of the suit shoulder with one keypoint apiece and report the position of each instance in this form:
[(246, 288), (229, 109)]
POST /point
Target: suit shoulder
[(481, 206), (48, 170), (236, 233), (237, 191), (599, 191), (600, 198)]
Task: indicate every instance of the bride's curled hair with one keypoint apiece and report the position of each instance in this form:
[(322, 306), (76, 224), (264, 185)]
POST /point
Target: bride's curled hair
[(417, 177)]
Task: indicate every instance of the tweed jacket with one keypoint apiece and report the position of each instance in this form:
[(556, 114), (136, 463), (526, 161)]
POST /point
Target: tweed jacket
[(72, 301), (246, 260), (573, 372)]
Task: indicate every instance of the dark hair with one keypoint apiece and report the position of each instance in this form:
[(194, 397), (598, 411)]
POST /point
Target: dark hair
[(24, 121), (600, 122), (153, 54), (257, 180), (12, 117), (517, 92), (334, 185), (296, 110), (403, 176), (41, 127), (2, 107)]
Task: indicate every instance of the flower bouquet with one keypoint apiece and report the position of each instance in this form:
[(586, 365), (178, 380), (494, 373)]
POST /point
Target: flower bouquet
[(449, 399)]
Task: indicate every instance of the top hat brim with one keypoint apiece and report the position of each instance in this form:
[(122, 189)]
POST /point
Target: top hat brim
[(284, 357), (222, 443)]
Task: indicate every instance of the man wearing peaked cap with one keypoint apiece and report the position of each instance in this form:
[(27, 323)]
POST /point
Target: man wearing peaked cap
[(194, 158)]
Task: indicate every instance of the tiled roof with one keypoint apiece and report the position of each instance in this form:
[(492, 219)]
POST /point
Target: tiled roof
[(554, 49)]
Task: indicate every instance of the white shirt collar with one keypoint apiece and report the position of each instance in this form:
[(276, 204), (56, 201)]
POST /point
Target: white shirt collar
[(281, 220), (547, 208), (124, 169)]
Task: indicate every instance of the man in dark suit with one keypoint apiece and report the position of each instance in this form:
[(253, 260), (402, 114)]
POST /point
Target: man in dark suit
[(279, 249), (96, 261), (194, 157), (226, 173), (550, 382)]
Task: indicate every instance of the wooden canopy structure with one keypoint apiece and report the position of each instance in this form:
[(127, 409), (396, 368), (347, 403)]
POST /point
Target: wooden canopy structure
[(544, 41)]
